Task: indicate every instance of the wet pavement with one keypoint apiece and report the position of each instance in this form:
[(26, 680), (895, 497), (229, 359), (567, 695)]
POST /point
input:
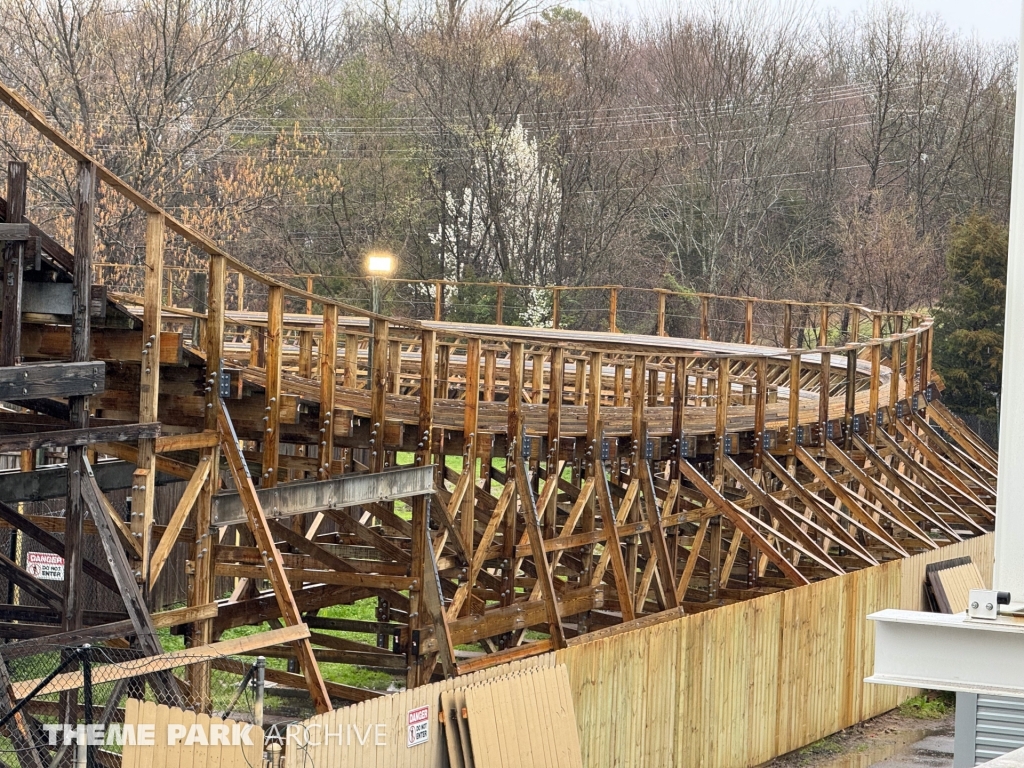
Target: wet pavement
[(908, 749)]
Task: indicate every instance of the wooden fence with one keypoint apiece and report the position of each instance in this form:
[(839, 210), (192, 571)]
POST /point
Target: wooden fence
[(739, 685), (169, 737), (727, 688), (388, 745)]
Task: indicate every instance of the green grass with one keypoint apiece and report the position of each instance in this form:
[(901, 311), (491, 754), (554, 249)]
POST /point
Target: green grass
[(931, 705), (828, 746)]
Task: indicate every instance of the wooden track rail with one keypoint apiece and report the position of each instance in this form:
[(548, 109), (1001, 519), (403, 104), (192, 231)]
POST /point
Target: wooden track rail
[(572, 479)]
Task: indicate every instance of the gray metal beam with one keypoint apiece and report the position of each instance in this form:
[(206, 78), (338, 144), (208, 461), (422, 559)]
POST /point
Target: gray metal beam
[(345, 491), (51, 481), (948, 652)]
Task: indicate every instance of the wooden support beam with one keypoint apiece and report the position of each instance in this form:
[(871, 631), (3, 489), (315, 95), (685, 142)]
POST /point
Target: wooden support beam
[(738, 518), (421, 666), (271, 559), (328, 389), (32, 441), (13, 265), (896, 514), (378, 394), (824, 392), (469, 429), (874, 382), (178, 519), (164, 662), (78, 405), (351, 377), (721, 417), (813, 506), (138, 613), (291, 680), (79, 378), (191, 441), (15, 232), (144, 492), (306, 354), (760, 404), (780, 515), (114, 630), (53, 342), (613, 545), (853, 503), (272, 397), (201, 551)]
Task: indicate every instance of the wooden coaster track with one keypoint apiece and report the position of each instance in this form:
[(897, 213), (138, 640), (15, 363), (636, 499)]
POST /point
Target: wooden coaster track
[(498, 490)]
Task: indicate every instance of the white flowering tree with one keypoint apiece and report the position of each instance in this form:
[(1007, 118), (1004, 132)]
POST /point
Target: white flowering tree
[(504, 226)]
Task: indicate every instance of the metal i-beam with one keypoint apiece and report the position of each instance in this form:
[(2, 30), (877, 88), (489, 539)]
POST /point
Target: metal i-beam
[(948, 652), (339, 492)]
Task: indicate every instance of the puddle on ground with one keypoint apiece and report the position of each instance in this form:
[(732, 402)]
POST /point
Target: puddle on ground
[(876, 750)]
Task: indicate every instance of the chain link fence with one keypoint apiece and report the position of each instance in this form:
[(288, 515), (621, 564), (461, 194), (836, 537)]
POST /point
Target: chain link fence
[(64, 707)]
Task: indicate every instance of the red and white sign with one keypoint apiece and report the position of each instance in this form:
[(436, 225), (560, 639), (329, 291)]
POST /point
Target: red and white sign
[(419, 726), (45, 565)]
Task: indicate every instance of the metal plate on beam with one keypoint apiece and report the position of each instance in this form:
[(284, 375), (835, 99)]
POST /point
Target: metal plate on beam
[(345, 491)]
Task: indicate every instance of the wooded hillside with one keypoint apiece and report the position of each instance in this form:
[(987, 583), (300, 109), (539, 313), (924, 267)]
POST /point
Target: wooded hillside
[(723, 151)]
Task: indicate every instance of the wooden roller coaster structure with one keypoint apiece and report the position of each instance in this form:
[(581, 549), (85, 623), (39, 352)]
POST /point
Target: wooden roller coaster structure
[(499, 490)]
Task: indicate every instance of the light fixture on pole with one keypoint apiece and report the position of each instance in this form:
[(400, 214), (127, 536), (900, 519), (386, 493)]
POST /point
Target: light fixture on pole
[(379, 265)]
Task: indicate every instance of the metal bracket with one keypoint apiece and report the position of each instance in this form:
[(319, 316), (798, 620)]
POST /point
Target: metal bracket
[(606, 450), (224, 379), (648, 445)]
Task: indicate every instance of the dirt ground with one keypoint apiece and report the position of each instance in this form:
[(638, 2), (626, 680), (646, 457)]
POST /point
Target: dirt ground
[(909, 737)]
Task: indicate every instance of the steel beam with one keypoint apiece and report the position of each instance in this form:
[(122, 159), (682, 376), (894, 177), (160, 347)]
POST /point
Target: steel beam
[(917, 650), (344, 491)]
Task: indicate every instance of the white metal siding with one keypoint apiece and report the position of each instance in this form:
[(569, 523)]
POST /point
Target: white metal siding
[(1000, 727)]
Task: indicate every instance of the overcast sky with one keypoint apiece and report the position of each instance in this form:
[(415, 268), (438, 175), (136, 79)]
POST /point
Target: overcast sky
[(991, 20)]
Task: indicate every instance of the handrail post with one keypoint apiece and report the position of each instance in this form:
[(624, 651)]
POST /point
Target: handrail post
[(662, 296), (613, 308), (876, 372), (556, 314)]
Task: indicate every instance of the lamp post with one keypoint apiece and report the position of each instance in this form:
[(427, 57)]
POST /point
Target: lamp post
[(379, 265)]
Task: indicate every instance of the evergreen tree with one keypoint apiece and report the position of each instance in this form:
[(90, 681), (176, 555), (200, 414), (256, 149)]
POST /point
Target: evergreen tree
[(968, 345)]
